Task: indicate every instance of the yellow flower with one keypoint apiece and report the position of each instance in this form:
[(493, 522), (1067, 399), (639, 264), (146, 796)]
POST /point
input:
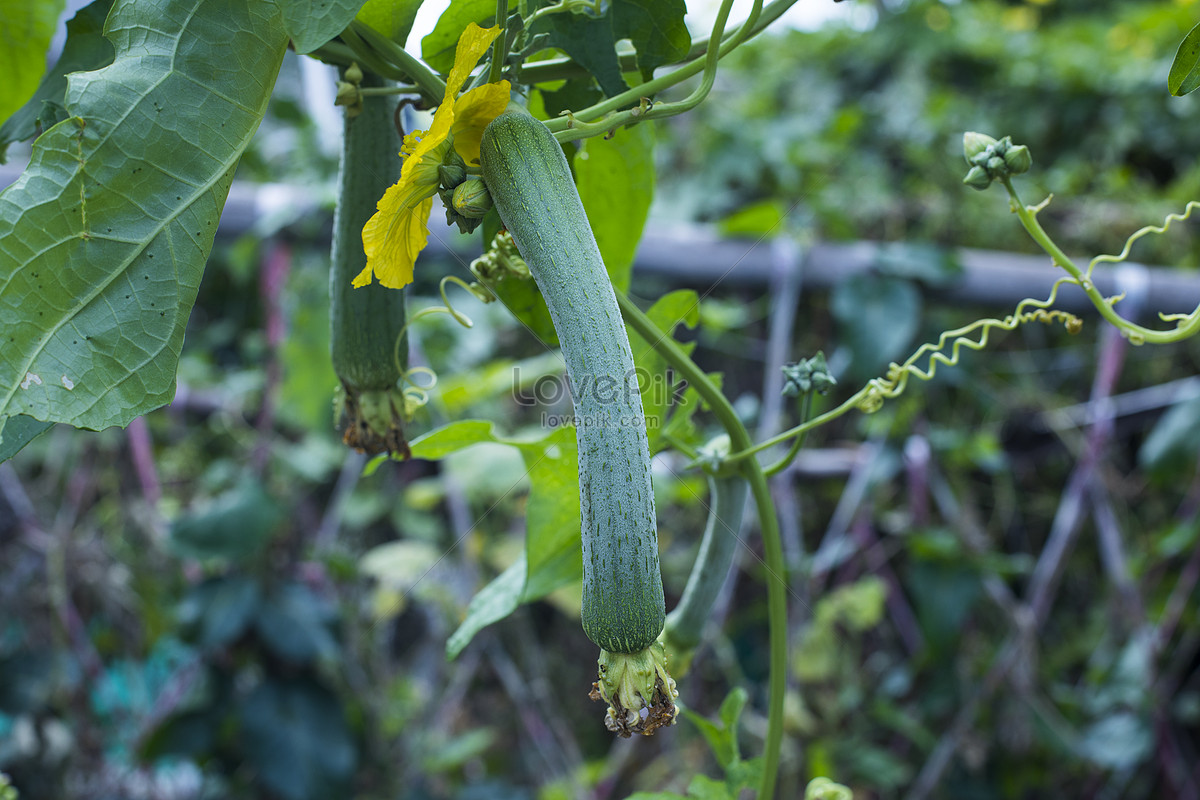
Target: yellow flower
[(397, 232)]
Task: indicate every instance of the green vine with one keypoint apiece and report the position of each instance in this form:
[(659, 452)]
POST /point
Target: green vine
[(579, 125), (739, 438)]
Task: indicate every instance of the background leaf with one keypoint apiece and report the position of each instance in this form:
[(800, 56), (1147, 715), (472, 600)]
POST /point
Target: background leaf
[(615, 178), (877, 319), (393, 18), (312, 23), (656, 29), (295, 738), (18, 431), (1184, 76), (658, 385), (25, 31), (85, 49), (104, 237), (591, 41), (552, 556), (438, 47), (232, 527)]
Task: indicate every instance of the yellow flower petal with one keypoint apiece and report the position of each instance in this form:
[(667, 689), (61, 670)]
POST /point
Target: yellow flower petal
[(473, 43), (393, 238), (472, 113), (395, 235)]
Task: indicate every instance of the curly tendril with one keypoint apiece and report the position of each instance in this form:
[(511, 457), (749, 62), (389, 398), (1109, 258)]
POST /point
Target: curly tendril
[(894, 383), (416, 394), (1146, 231)]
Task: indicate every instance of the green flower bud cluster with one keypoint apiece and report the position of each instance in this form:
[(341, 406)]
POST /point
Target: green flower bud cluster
[(807, 375), (465, 197), (992, 159), (502, 260), (348, 93)]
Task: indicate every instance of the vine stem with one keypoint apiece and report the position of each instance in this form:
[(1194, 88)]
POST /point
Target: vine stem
[(580, 126), (772, 546), (1137, 334), (500, 46), (559, 68), (411, 67)]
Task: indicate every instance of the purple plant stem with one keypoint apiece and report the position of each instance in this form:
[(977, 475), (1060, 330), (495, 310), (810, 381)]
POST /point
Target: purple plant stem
[(276, 266), (141, 451)]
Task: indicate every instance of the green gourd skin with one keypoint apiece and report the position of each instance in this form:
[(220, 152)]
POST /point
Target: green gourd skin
[(366, 322), (530, 183)]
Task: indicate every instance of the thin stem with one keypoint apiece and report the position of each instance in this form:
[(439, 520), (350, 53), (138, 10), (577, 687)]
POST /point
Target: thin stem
[(852, 402), (579, 126), (334, 52), (500, 45), (560, 7), (1134, 332), (367, 57), (797, 443), (772, 546), (558, 68), (411, 67), (383, 91)]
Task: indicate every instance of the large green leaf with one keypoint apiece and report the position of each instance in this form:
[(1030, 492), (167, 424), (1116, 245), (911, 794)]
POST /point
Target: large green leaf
[(85, 49), (26, 27), (312, 23), (104, 237), (1184, 76), (589, 40), (656, 29), (552, 555), (615, 177), (393, 18)]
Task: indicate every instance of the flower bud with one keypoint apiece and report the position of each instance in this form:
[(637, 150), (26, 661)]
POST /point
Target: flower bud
[(471, 198), (453, 170), (975, 143), (1018, 159), (978, 178)]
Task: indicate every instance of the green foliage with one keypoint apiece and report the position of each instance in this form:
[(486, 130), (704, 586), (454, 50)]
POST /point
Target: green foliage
[(437, 48), (658, 382), (295, 736), (100, 284), (655, 29), (1184, 76), (233, 527), (722, 738), (25, 31), (857, 132), (85, 49), (312, 23), (1171, 446), (615, 178), (551, 556), (18, 431), (878, 319), (393, 18)]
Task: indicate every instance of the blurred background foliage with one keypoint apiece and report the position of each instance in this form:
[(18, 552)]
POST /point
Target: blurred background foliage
[(216, 603)]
